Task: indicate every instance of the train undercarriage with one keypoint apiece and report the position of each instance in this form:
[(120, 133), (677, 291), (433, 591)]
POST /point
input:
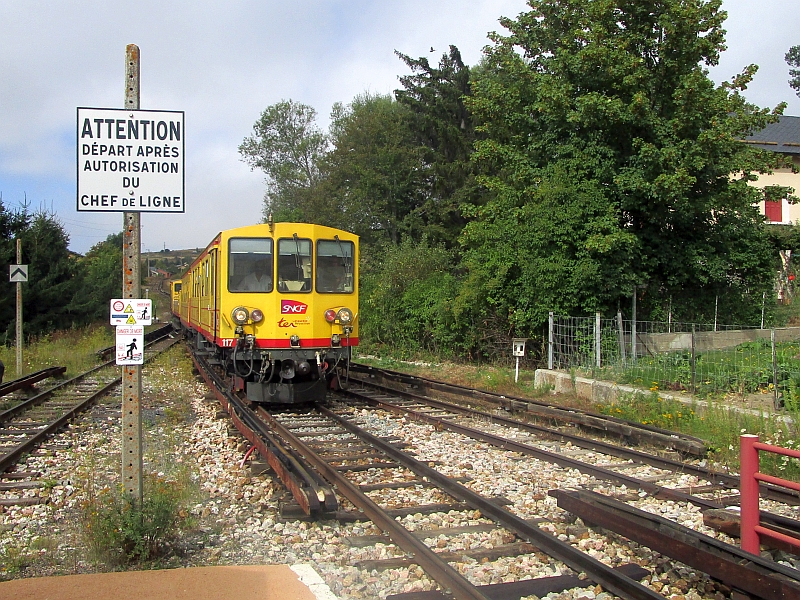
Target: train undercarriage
[(278, 376)]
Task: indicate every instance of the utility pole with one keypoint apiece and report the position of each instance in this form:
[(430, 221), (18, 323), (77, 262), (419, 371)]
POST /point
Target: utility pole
[(132, 463)]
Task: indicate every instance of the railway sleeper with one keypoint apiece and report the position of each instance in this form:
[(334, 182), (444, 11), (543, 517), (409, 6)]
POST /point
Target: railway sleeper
[(540, 587), (489, 554)]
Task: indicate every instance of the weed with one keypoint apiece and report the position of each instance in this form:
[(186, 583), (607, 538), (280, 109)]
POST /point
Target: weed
[(119, 531), (13, 560)]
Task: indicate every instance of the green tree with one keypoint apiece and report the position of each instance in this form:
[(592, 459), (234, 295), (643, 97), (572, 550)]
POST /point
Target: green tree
[(102, 279), (612, 160), (287, 145), (375, 171), (54, 276), (12, 223), (793, 60), (442, 126)]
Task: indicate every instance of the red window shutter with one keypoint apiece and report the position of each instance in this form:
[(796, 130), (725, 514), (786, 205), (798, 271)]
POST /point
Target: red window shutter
[(773, 211)]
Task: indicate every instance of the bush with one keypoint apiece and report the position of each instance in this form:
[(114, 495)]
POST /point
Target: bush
[(119, 531)]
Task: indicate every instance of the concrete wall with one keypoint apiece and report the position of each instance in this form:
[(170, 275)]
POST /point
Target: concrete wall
[(655, 343)]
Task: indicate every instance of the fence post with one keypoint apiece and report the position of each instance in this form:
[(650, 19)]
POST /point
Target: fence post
[(550, 342), (597, 339), (748, 494), (621, 336), (774, 370), (633, 327), (694, 363)]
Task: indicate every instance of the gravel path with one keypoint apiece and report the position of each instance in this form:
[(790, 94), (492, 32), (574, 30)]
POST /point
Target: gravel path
[(235, 515)]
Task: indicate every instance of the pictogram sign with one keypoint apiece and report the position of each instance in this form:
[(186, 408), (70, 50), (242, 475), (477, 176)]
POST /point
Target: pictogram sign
[(129, 348), (127, 311)]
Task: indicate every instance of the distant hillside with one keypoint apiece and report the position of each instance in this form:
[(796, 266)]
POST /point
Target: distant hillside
[(173, 262)]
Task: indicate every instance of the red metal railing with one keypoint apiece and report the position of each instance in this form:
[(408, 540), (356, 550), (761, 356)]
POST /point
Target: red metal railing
[(751, 529)]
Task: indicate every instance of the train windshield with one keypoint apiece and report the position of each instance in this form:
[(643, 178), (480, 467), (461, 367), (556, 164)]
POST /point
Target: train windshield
[(335, 266), (250, 265), (294, 265)]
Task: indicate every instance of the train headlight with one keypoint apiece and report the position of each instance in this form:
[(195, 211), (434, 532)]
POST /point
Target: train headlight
[(240, 315), (257, 315), (330, 315), (345, 316)]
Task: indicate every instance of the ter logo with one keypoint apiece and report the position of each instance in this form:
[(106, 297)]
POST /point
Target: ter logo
[(293, 307)]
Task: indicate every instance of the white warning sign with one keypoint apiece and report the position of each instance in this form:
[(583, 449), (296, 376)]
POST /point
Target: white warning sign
[(130, 160), (129, 349), (127, 311)]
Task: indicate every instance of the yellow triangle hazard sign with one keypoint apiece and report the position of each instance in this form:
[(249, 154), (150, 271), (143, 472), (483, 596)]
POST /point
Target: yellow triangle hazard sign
[(130, 321), (128, 309)]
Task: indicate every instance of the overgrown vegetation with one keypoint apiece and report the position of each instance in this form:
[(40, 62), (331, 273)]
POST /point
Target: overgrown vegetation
[(75, 348), (119, 530), (719, 426), (588, 155)]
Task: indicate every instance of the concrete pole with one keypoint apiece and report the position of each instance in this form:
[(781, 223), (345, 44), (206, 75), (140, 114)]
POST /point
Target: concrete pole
[(19, 313), (131, 288)]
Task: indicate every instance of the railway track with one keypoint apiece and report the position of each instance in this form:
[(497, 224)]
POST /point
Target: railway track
[(27, 425), (335, 468), (629, 431)]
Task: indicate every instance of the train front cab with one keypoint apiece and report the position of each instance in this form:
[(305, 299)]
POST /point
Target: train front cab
[(175, 293), (287, 309)]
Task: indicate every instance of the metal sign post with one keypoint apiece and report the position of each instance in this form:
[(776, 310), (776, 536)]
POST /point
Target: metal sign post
[(131, 288)]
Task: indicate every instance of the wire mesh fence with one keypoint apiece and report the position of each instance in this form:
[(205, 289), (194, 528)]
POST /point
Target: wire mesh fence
[(702, 359)]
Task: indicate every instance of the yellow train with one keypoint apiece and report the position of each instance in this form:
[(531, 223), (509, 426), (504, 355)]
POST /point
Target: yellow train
[(276, 305)]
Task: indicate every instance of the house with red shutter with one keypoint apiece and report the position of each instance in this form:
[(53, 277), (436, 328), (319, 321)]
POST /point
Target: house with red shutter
[(783, 137)]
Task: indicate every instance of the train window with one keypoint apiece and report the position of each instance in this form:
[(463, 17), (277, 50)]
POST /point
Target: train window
[(250, 265), (294, 265), (335, 266)]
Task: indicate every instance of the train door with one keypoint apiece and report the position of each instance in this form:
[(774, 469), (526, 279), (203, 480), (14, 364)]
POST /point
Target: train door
[(207, 298), (214, 293)]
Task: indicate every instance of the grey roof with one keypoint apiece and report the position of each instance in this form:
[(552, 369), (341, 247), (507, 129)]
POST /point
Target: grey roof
[(783, 136)]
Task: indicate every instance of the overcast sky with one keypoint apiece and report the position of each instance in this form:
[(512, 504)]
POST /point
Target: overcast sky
[(223, 63)]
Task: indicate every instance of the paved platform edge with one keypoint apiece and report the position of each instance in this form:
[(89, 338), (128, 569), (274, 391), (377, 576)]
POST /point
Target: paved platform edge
[(312, 580)]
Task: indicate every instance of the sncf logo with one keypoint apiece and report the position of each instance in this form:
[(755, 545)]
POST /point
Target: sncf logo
[(293, 307)]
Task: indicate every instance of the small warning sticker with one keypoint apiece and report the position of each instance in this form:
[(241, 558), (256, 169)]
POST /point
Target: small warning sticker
[(131, 312)]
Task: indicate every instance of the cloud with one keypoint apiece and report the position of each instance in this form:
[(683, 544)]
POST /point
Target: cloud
[(223, 63)]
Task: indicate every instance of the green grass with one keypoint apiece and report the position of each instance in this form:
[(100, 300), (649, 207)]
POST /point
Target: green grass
[(73, 348), (718, 425)]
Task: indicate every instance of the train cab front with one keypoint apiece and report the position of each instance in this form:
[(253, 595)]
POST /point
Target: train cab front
[(292, 335)]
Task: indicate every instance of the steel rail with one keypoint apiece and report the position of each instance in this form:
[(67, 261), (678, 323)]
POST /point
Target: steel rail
[(30, 379), (39, 398), (437, 568), (629, 429), (567, 462), (735, 567), (312, 494), (716, 477), (610, 579), (13, 455)]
